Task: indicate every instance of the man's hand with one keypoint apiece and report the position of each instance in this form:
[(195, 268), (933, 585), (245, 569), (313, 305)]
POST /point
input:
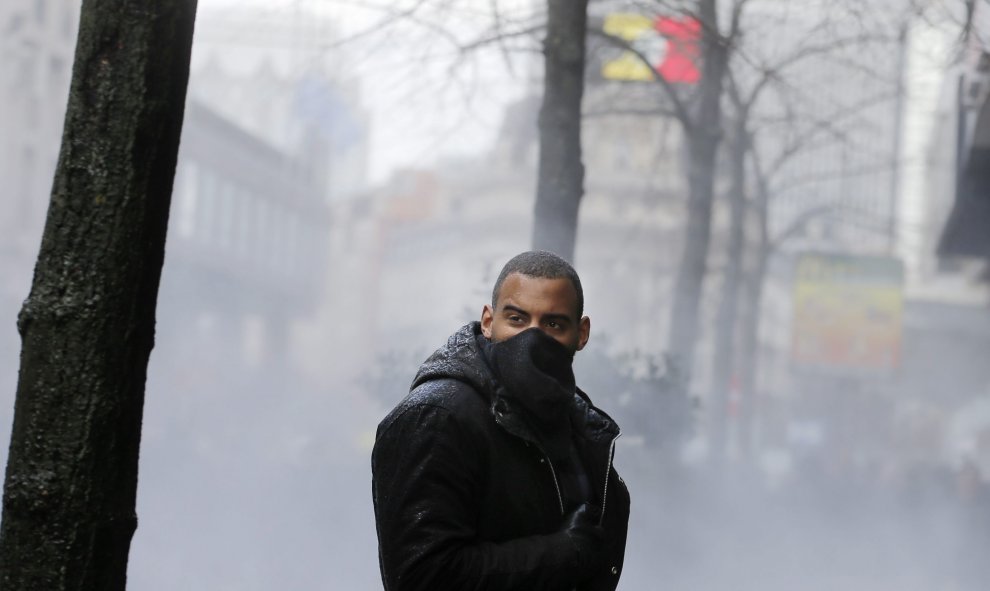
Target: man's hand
[(581, 526)]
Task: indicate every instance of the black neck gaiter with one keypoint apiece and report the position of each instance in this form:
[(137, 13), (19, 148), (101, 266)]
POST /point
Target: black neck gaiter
[(536, 372)]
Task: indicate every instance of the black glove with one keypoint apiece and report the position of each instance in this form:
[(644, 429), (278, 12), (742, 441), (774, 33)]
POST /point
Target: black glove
[(582, 527)]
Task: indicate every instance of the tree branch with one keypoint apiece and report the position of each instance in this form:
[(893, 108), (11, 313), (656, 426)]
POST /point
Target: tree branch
[(680, 109)]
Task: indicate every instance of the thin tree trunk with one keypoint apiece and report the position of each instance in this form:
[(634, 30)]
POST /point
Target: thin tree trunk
[(560, 176), (749, 352), (703, 139), (87, 328), (725, 323)]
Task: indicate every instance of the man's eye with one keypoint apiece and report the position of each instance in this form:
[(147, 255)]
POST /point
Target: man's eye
[(515, 318)]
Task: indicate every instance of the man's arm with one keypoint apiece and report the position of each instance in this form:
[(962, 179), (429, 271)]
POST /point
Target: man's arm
[(427, 483)]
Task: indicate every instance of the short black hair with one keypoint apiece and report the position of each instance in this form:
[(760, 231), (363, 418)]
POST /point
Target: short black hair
[(545, 265)]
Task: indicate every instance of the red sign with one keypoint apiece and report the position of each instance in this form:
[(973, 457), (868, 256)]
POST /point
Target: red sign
[(664, 46), (683, 51)]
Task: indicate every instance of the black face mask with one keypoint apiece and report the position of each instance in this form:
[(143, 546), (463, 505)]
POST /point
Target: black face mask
[(536, 371)]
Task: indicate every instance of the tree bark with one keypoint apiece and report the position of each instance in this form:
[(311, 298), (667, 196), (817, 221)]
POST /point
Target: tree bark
[(703, 136), (749, 352), (87, 327), (560, 174), (725, 322)]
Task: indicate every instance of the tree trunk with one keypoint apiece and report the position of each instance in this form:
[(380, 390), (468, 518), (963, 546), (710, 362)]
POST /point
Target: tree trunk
[(749, 352), (725, 322), (87, 328), (560, 176), (703, 138)]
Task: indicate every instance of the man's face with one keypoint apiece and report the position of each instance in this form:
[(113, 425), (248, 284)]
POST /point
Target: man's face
[(535, 302)]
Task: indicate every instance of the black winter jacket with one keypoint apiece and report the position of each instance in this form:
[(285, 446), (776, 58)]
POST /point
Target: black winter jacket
[(464, 497)]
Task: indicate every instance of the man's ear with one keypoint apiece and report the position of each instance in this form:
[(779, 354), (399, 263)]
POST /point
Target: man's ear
[(487, 317), (584, 332)]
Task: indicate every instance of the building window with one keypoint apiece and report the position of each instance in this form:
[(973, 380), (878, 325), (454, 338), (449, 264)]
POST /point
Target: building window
[(292, 243), (245, 217), (186, 218), (57, 66), (206, 197), (255, 226), (225, 214), (266, 233), (278, 238), (22, 209)]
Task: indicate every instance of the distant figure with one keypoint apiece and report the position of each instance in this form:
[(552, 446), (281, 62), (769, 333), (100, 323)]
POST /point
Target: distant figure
[(495, 472)]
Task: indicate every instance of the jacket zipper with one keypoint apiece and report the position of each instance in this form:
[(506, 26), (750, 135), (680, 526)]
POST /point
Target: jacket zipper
[(556, 484), (553, 473), (608, 468)]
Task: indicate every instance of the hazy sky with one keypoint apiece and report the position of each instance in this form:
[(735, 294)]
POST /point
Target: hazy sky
[(426, 98)]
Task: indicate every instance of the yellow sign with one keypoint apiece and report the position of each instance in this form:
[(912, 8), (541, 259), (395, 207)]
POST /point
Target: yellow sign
[(667, 47), (638, 30), (847, 312)]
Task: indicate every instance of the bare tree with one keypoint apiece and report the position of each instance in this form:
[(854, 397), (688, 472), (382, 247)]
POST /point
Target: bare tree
[(699, 112), (725, 320), (87, 328), (702, 128), (744, 104), (742, 350), (560, 173)]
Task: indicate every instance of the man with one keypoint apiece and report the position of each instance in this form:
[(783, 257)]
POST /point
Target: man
[(495, 472)]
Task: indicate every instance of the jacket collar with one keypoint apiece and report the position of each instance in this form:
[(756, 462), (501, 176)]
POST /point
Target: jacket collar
[(587, 421), (461, 359)]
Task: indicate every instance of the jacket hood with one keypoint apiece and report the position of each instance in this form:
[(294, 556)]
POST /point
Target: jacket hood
[(460, 359)]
